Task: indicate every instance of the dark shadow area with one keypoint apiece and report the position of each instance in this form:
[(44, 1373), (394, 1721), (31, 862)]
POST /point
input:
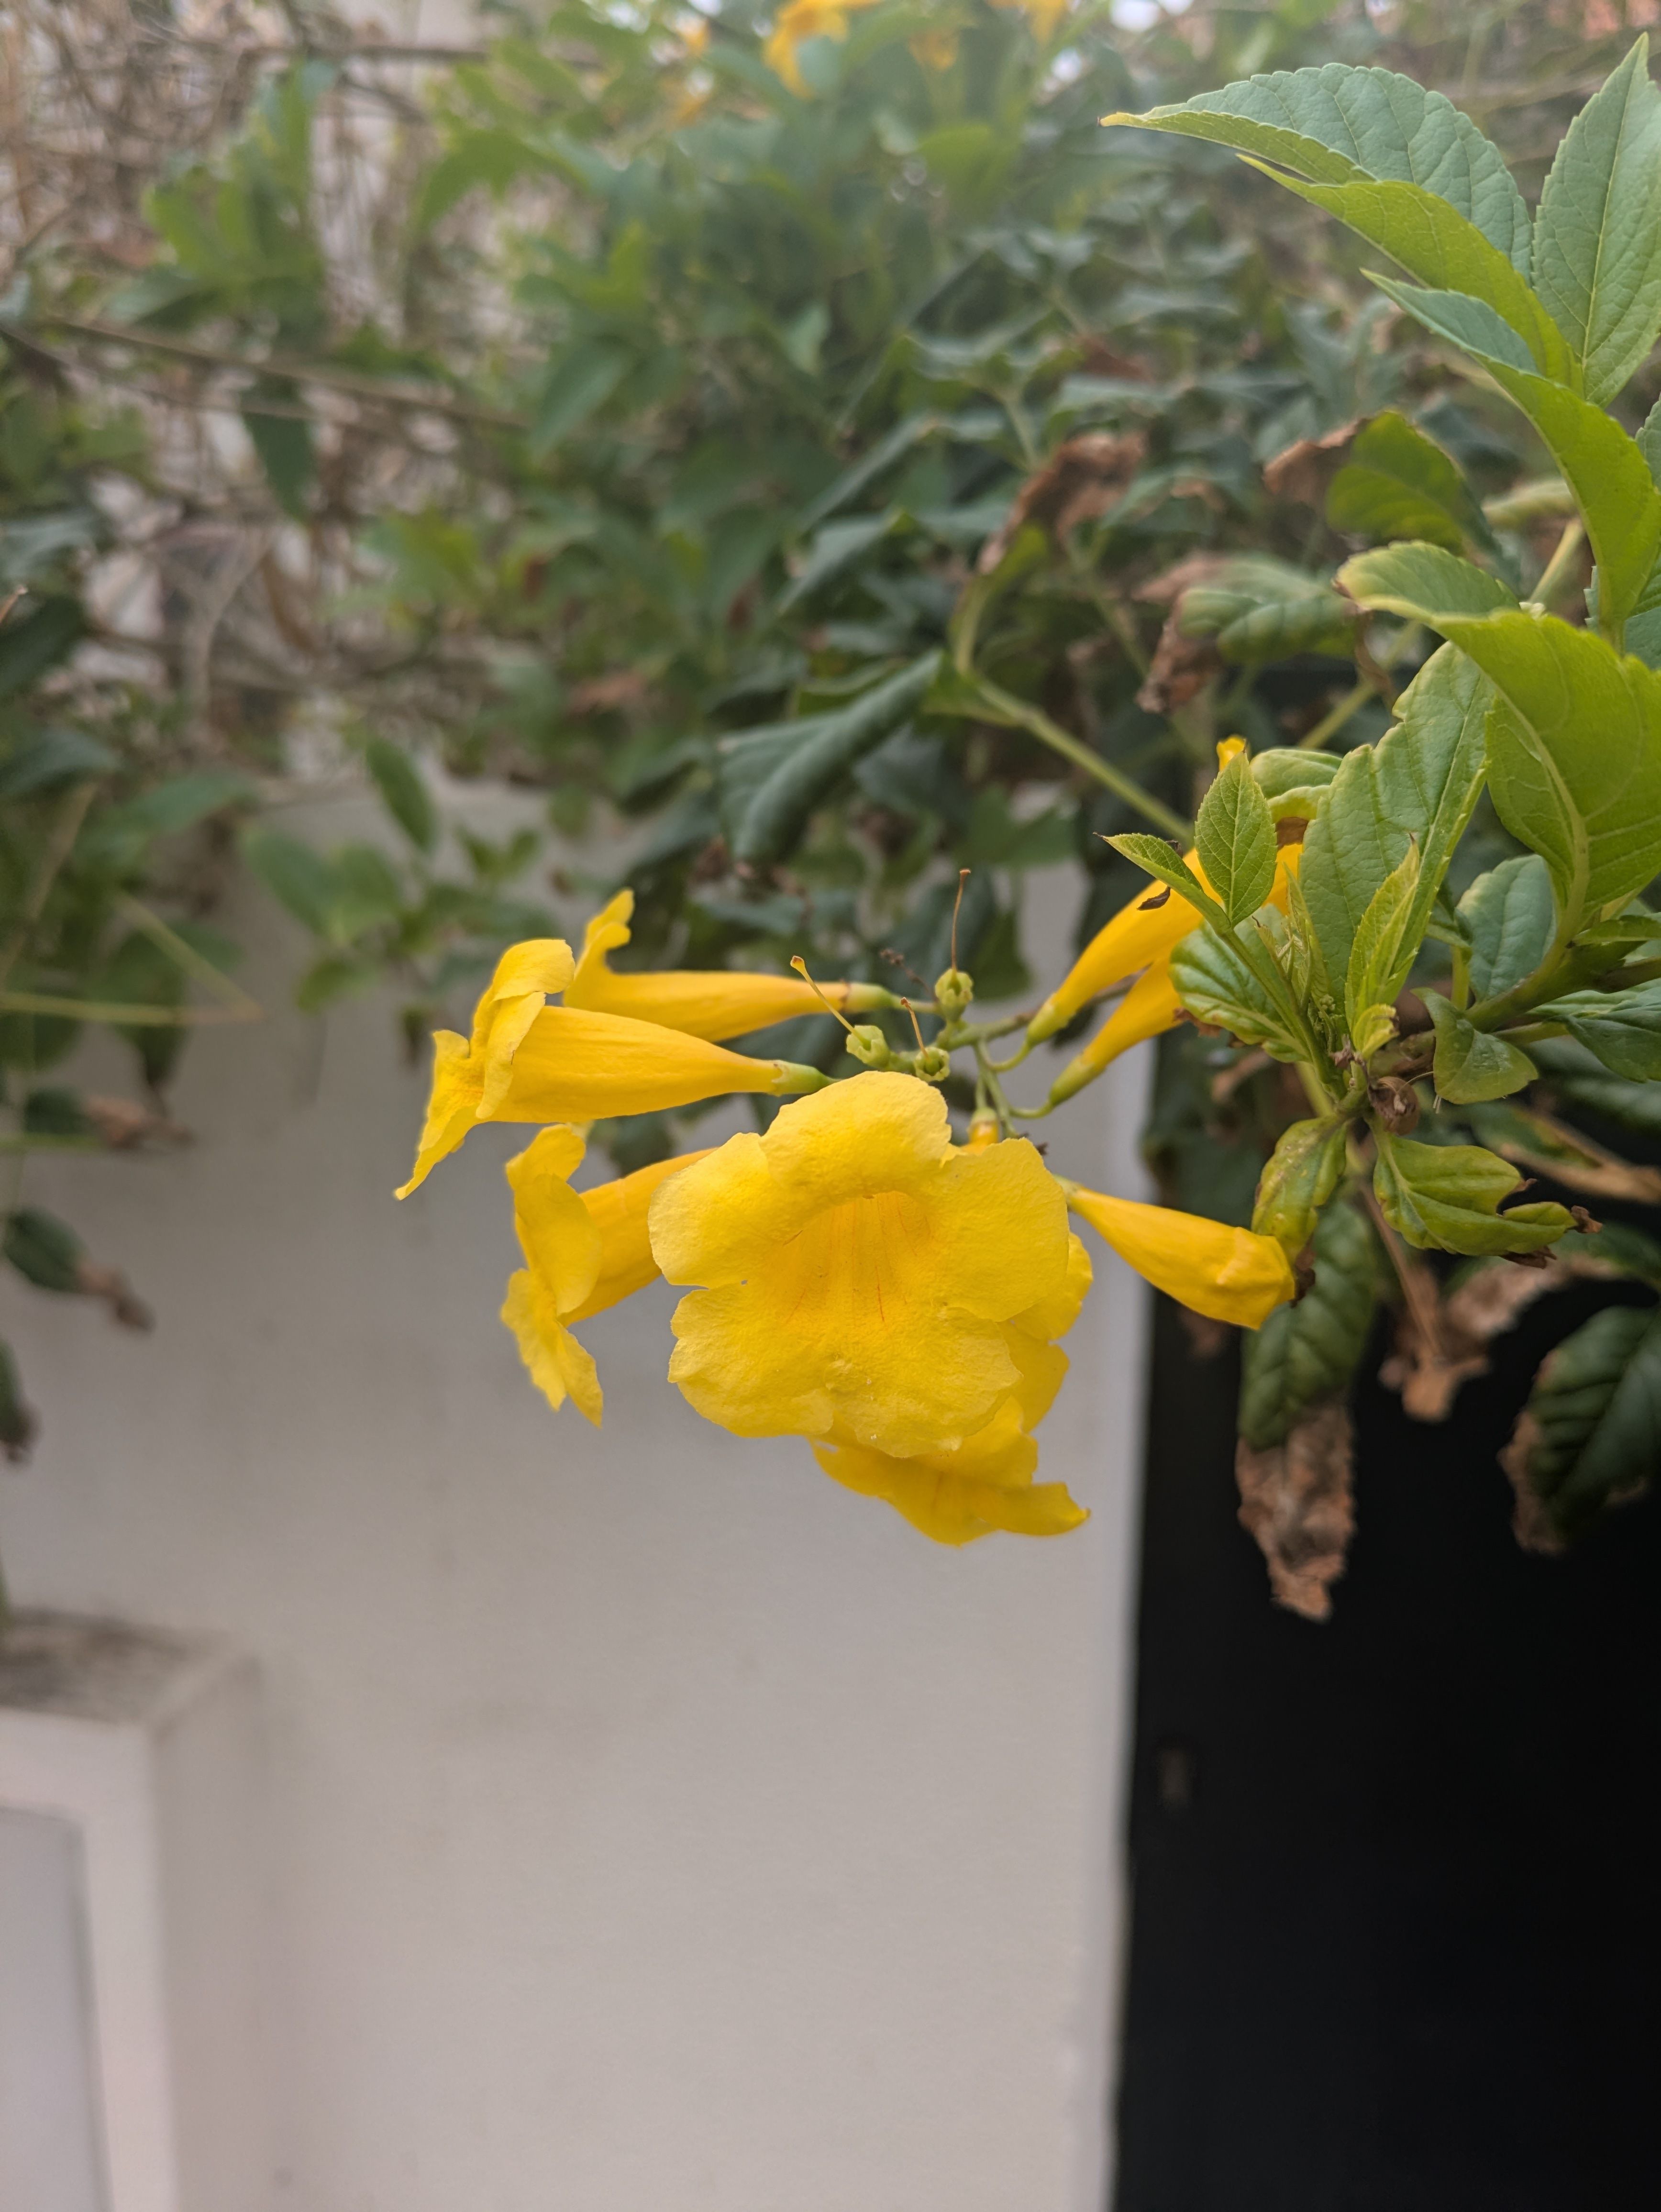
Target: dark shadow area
[(1396, 1942)]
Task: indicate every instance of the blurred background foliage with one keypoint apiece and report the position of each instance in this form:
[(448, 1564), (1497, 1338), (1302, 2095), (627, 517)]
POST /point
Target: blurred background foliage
[(773, 449)]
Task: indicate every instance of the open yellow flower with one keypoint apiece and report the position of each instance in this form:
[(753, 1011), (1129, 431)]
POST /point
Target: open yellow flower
[(1230, 1274), (858, 1270), (984, 1483), (713, 1003), (529, 1061), (584, 1250), (799, 21)]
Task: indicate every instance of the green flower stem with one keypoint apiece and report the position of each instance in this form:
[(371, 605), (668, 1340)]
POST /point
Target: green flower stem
[(1004, 707), (1557, 570)]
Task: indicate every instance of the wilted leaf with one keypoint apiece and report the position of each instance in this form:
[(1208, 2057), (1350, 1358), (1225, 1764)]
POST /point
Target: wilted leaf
[(1082, 478), (1447, 1197), (1297, 1500), (1300, 1176)]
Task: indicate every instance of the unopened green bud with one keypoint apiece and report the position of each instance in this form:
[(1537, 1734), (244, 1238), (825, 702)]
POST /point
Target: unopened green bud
[(794, 1079), (953, 993), (869, 1046)]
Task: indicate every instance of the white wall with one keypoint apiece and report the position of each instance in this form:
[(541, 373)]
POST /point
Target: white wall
[(658, 1827)]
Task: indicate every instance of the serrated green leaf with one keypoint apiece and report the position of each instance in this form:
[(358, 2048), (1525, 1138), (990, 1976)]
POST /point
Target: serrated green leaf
[(1605, 468), (1383, 948), (1590, 1434), (404, 789), (1396, 483), (1622, 1028), (1158, 858), (1510, 918), (1448, 256), (1598, 235), (771, 779), (1300, 1177), (1234, 837), (1447, 1198), (1470, 1064), (1419, 783), (1573, 740), (1338, 124), (1310, 1351)]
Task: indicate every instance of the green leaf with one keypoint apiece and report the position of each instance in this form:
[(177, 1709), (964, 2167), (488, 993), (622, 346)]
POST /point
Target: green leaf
[(404, 789), (1163, 861), (34, 638), (1510, 919), (1574, 739), (1301, 1173), (1590, 1435), (45, 1250), (1310, 1351), (1338, 124), (1396, 483), (1216, 984), (296, 874), (1282, 627), (1449, 257), (578, 383), (1381, 951), (17, 1427), (1598, 236), (1579, 1083), (1603, 466), (1447, 1198), (1470, 1064), (771, 779), (283, 445), (50, 759), (1622, 1028), (1420, 783), (1234, 838)]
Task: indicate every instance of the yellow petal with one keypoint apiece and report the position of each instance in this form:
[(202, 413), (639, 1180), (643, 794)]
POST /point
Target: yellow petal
[(557, 1364), (1228, 1273), (557, 1231), (1138, 935), (618, 1210), (524, 976), (711, 1003), (1148, 1008), (858, 1267), (952, 1509), (451, 1106)]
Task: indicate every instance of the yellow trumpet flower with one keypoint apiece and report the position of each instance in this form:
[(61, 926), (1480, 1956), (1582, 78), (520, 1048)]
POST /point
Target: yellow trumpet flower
[(1230, 1274), (712, 1003), (584, 1251), (798, 22), (983, 1483), (858, 1270), (529, 1061)]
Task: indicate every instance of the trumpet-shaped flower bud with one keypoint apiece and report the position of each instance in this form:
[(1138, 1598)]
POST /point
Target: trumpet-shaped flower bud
[(1230, 1274), (584, 1251), (858, 1270), (714, 1003)]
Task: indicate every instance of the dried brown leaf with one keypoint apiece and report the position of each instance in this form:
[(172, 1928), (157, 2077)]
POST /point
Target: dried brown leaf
[(1082, 478), (1531, 1523), (1303, 471), (1297, 1500)]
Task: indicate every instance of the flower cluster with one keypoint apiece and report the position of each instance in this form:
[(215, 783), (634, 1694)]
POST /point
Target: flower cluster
[(856, 1275)]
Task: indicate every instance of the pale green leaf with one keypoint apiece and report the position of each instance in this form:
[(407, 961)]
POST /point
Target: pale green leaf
[(1470, 1064), (1598, 237), (1574, 738), (1383, 950), (1300, 1177), (1234, 837), (1447, 1198), (1605, 468), (1419, 783), (1337, 124)]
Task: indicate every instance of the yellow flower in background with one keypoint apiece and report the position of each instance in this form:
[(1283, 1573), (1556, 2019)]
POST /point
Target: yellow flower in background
[(529, 1061), (1147, 1009), (985, 1483), (1042, 14), (1138, 935), (799, 21), (712, 1003), (1230, 1274), (858, 1270), (584, 1250)]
